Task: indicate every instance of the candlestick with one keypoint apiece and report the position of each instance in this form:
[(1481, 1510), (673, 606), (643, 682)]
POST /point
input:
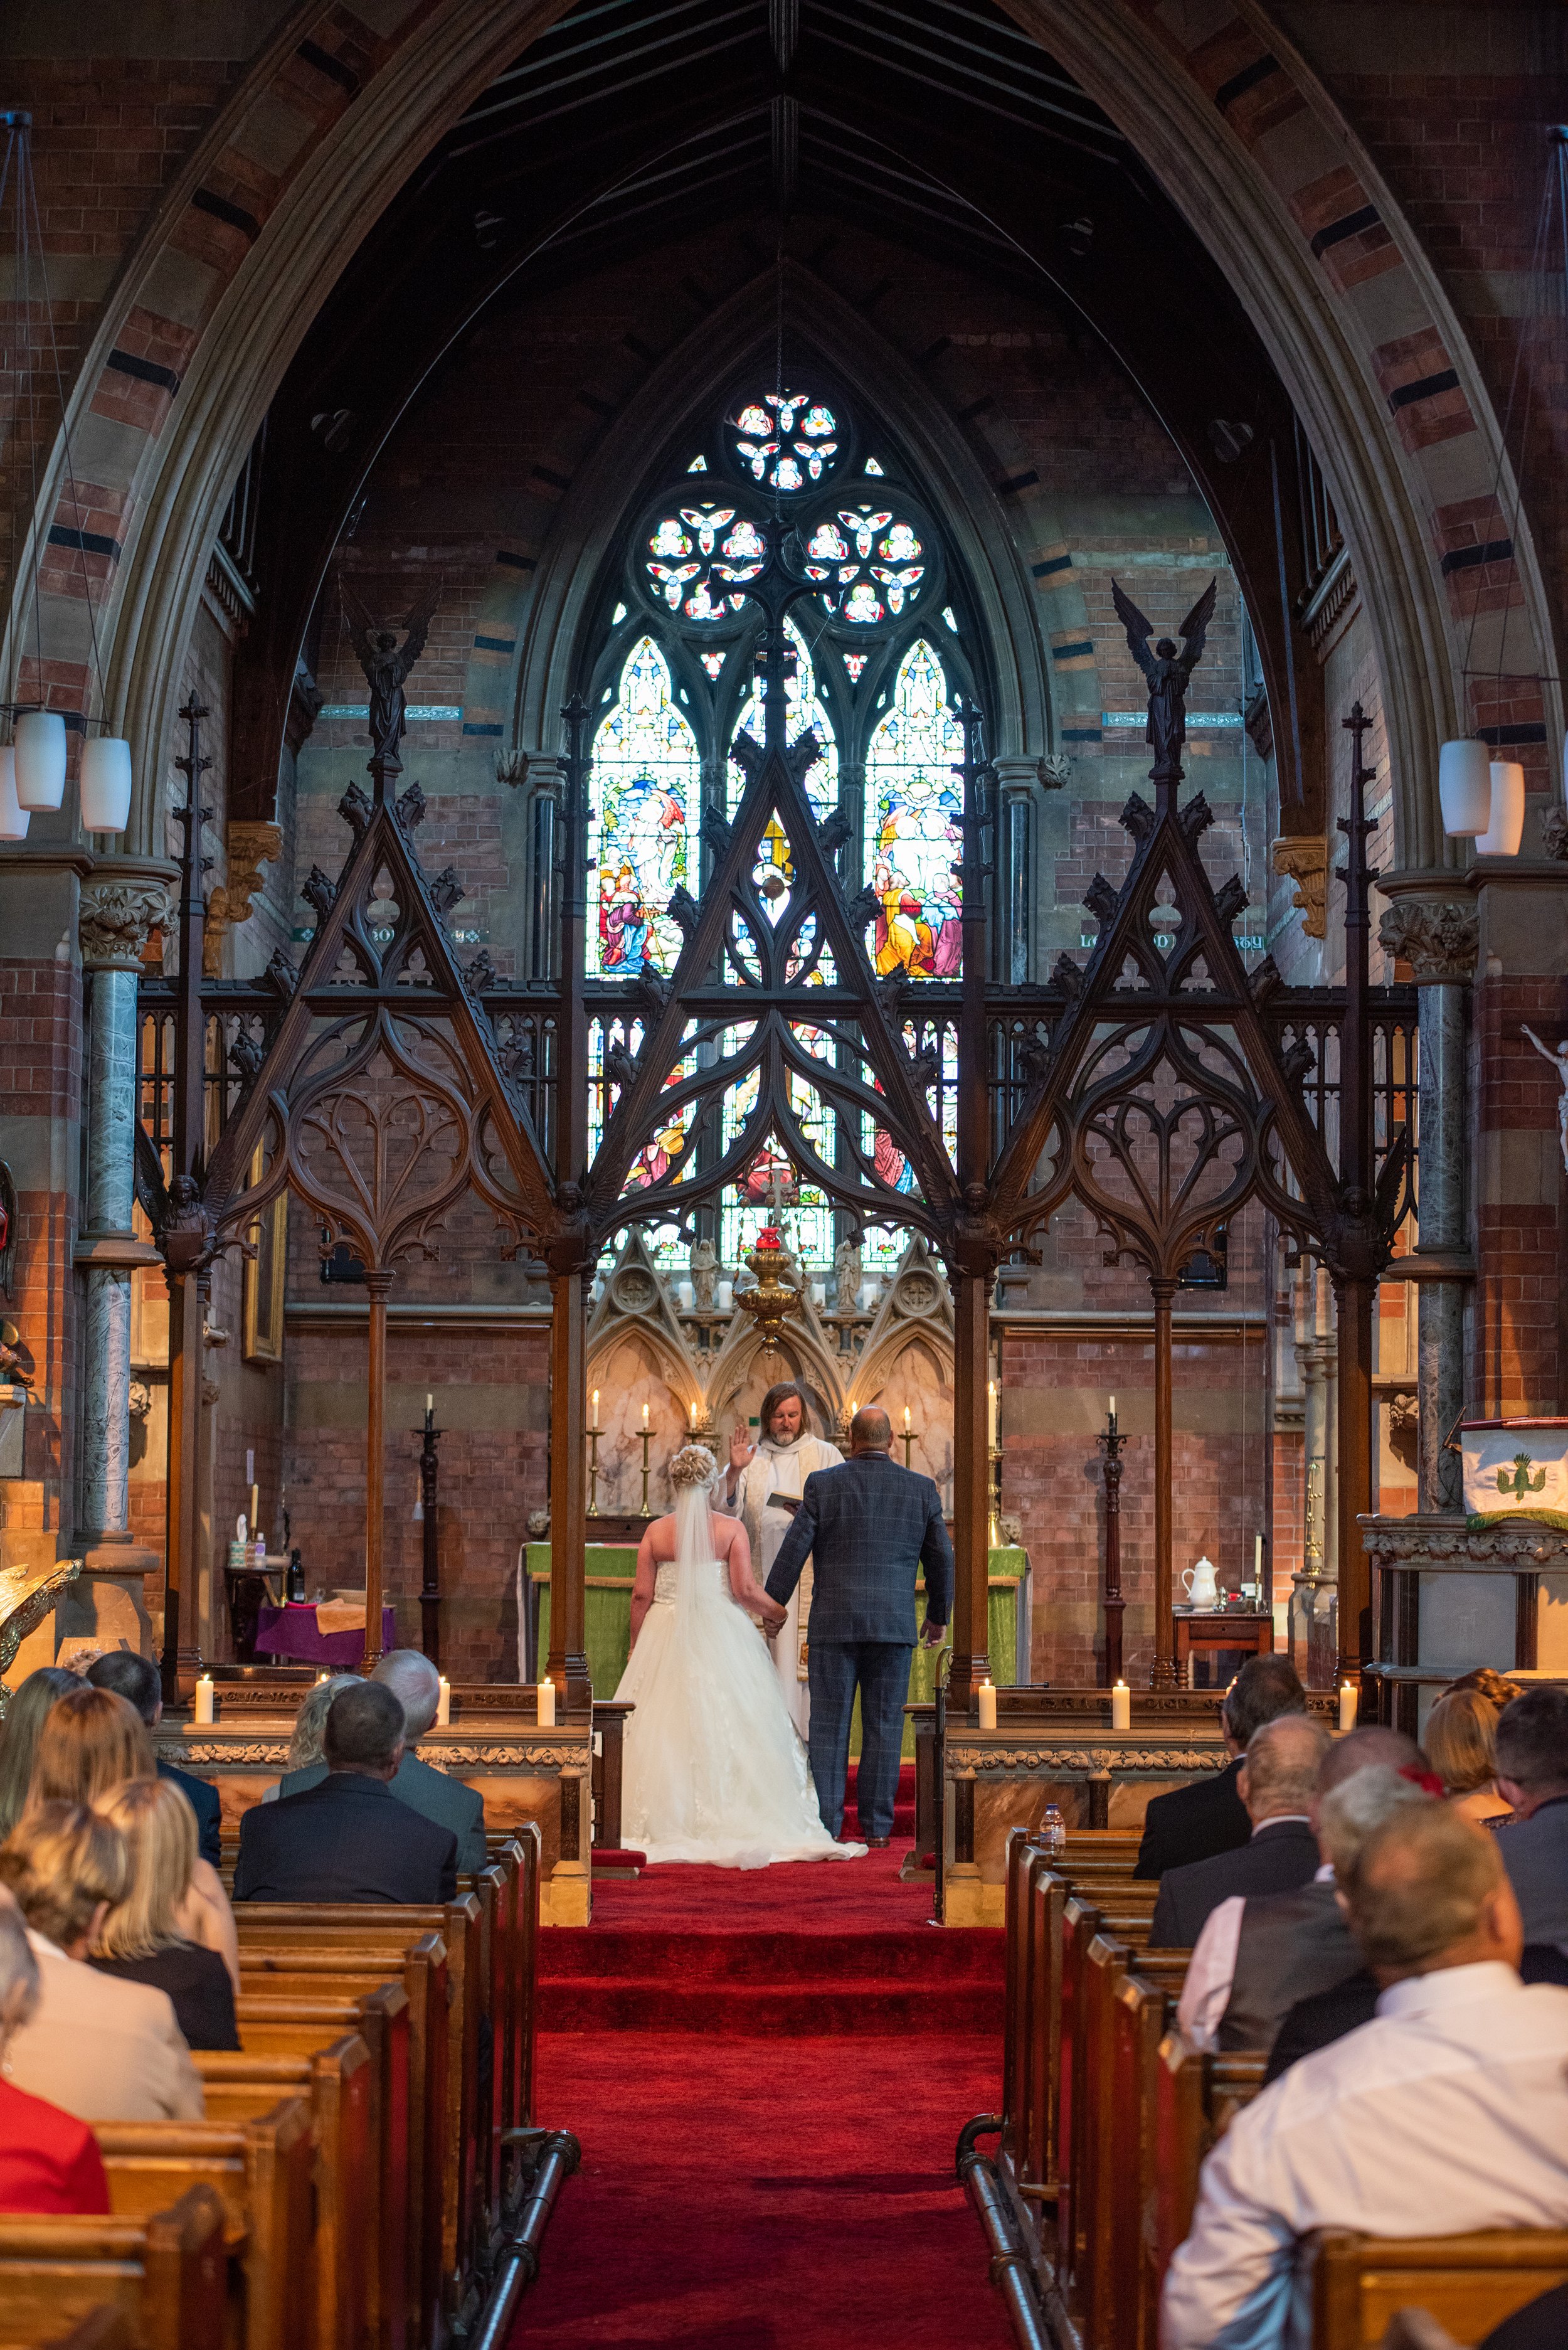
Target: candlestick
[(1121, 1706), (991, 1407), (593, 1435), (1349, 1704), (1115, 1605), (646, 1441), (205, 1702), (547, 1694), (908, 1440), (985, 1697), (255, 1507), (443, 1704)]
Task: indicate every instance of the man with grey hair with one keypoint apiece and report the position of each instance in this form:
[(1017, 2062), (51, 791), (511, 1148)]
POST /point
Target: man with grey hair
[(416, 1684), (1532, 1775), (1257, 1956), (1276, 1784), (1448, 2112)]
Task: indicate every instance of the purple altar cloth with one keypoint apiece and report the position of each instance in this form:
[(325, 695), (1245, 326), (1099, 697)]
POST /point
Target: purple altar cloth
[(291, 1631)]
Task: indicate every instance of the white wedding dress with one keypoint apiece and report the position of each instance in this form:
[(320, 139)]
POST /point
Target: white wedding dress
[(713, 1769)]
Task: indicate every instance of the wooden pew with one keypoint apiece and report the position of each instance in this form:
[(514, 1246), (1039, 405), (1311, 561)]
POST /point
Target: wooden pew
[(1196, 2092), (1469, 2283), (167, 2274), (261, 2171), (337, 2079), (103, 2328)]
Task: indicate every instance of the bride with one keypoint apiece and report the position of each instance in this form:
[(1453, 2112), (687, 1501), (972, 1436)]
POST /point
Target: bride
[(713, 1769)]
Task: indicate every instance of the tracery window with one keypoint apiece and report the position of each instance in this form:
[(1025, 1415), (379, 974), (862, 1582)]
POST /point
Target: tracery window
[(785, 500)]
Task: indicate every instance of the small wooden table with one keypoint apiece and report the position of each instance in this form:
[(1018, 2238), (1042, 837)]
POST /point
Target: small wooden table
[(1215, 1633)]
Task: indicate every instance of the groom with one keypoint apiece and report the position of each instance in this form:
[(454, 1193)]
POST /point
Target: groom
[(867, 1525)]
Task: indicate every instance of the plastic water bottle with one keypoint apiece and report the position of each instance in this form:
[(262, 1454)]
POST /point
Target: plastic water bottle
[(1054, 1832)]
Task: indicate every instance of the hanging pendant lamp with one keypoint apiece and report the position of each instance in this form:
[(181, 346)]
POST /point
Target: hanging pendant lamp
[(1464, 788), (40, 745), (1505, 827), (14, 818), (105, 782)]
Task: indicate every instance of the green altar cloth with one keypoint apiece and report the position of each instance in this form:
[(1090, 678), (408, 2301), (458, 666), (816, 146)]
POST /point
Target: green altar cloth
[(611, 1566)]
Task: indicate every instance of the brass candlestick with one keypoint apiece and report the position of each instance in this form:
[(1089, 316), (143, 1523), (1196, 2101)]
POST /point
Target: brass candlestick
[(993, 1531), (593, 1435), (908, 1437), (646, 1441)]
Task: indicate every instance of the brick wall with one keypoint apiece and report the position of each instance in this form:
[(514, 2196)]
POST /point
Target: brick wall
[(40, 1097)]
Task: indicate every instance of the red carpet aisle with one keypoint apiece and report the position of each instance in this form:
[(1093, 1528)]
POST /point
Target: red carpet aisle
[(767, 2072)]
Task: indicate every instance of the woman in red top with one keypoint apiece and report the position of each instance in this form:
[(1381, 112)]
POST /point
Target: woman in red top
[(49, 2161)]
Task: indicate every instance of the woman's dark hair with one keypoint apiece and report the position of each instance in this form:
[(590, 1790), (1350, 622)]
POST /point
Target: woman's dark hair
[(778, 1394)]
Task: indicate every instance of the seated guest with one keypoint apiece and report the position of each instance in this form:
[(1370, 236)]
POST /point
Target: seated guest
[(141, 1941), (1532, 1777), (106, 2051), (1276, 1783), (92, 1744), (1487, 1683), (1460, 1740), (135, 1678), (309, 1721), (348, 1839), (1326, 2016), (1208, 1817), (1448, 2112), (49, 2161), (1256, 1956), (416, 1684), (19, 1737)]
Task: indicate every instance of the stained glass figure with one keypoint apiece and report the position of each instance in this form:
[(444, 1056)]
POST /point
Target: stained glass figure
[(785, 440), (804, 708), (646, 774), (870, 562), (913, 810), (700, 558)]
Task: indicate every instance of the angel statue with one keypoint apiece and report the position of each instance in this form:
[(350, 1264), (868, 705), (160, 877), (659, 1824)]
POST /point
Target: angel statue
[(386, 666), (1168, 672)]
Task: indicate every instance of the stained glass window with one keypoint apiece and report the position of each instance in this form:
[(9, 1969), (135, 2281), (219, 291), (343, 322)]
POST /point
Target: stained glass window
[(870, 562), (785, 440), (804, 708), (646, 779), (699, 557), (913, 837)]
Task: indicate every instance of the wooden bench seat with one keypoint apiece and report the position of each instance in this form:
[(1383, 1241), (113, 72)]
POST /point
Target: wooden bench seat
[(1469, 2283), (261, 2171), (167, 2274)]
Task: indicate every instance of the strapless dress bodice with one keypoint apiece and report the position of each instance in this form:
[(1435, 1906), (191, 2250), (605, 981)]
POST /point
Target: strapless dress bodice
[(667, 1581)]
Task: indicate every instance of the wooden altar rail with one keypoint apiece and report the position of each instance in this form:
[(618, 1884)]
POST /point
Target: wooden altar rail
[(1107, 2114)]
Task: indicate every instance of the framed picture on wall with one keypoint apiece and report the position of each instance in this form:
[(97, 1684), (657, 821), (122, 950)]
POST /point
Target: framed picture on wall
[(265, 1274)]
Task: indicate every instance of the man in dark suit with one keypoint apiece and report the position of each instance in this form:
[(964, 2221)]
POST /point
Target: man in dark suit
[(349, 1839), (1277, 1782), (416, 1684), (1197, 1822), (867, 1525), (1532, 1775), (135, 1678)]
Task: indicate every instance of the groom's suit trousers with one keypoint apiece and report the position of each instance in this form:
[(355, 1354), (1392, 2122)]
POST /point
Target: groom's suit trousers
[(881, 1670)]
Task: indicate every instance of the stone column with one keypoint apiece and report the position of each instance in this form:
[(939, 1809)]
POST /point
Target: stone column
[(1438, 937), (120, 906)]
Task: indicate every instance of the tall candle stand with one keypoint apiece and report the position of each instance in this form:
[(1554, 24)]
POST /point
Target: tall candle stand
[(429, 1587), (1115, 1604), (646, 1441), (908, 1436), (593, 1435)]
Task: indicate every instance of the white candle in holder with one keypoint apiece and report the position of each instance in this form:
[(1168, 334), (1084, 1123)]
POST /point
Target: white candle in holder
[(205, 1700), (443, 1704), (986, 1697), (1349, 1704), (546, 1703), (1121, 1706), (596, 1410)]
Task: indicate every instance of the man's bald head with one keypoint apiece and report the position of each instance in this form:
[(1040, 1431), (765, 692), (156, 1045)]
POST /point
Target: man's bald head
[(870, 1430), (1280, 1775), (1378, 1746)]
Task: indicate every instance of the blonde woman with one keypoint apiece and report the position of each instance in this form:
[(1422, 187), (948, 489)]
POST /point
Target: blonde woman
[(91, 1742), (19, 1737), (141, 1939), (1460, 1740)]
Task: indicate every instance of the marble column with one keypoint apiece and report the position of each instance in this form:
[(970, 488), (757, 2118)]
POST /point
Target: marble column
[(119, 907), (1438, 937)]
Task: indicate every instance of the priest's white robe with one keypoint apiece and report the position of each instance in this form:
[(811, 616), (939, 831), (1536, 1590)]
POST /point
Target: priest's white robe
[(784, 1469)]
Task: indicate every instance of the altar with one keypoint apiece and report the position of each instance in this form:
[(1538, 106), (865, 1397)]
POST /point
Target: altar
[(611, 1566)]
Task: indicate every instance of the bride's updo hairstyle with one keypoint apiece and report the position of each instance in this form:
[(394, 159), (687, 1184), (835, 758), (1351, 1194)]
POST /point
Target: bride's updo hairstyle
[(692, 1465)]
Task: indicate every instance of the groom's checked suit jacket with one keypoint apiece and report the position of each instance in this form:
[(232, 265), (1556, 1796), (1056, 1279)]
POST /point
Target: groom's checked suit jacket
[(866, 1526)]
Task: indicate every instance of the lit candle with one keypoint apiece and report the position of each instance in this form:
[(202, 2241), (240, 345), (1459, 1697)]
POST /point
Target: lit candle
[(905, 1419), (1258, 1561), (255, 1505), (986, 1696), (1349, 1704), (596, 1415), (1121, 1707), (430, 1405), (693, 1419), (645, 1415), (206, 1703), (990, 1400), (852, 1407), (443, 1704), (1113, 1411), (546, 1703)]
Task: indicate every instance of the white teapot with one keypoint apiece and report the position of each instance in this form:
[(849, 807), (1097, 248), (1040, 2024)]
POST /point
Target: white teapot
[(1199, 1583)]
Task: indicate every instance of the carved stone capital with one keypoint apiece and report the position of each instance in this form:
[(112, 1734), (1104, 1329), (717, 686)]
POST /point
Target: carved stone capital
[(118, 915), (1305, 861), (1438, 937), (251, 845)]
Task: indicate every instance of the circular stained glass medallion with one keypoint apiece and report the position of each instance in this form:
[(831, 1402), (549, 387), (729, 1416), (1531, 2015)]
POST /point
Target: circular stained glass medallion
[(870, 563), (785, 440), (699, 559)]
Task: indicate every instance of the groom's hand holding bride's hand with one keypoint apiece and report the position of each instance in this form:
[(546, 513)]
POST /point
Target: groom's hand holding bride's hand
[(932, 1635)]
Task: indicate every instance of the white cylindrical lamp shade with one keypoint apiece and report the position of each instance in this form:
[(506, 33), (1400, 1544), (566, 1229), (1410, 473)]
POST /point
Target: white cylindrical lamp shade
[(105, 784), (1464, 788), (1506, 828), (13, 817), (40, 742)]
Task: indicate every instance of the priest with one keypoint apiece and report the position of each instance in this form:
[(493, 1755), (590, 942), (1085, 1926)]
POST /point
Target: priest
[(764, 1488)]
